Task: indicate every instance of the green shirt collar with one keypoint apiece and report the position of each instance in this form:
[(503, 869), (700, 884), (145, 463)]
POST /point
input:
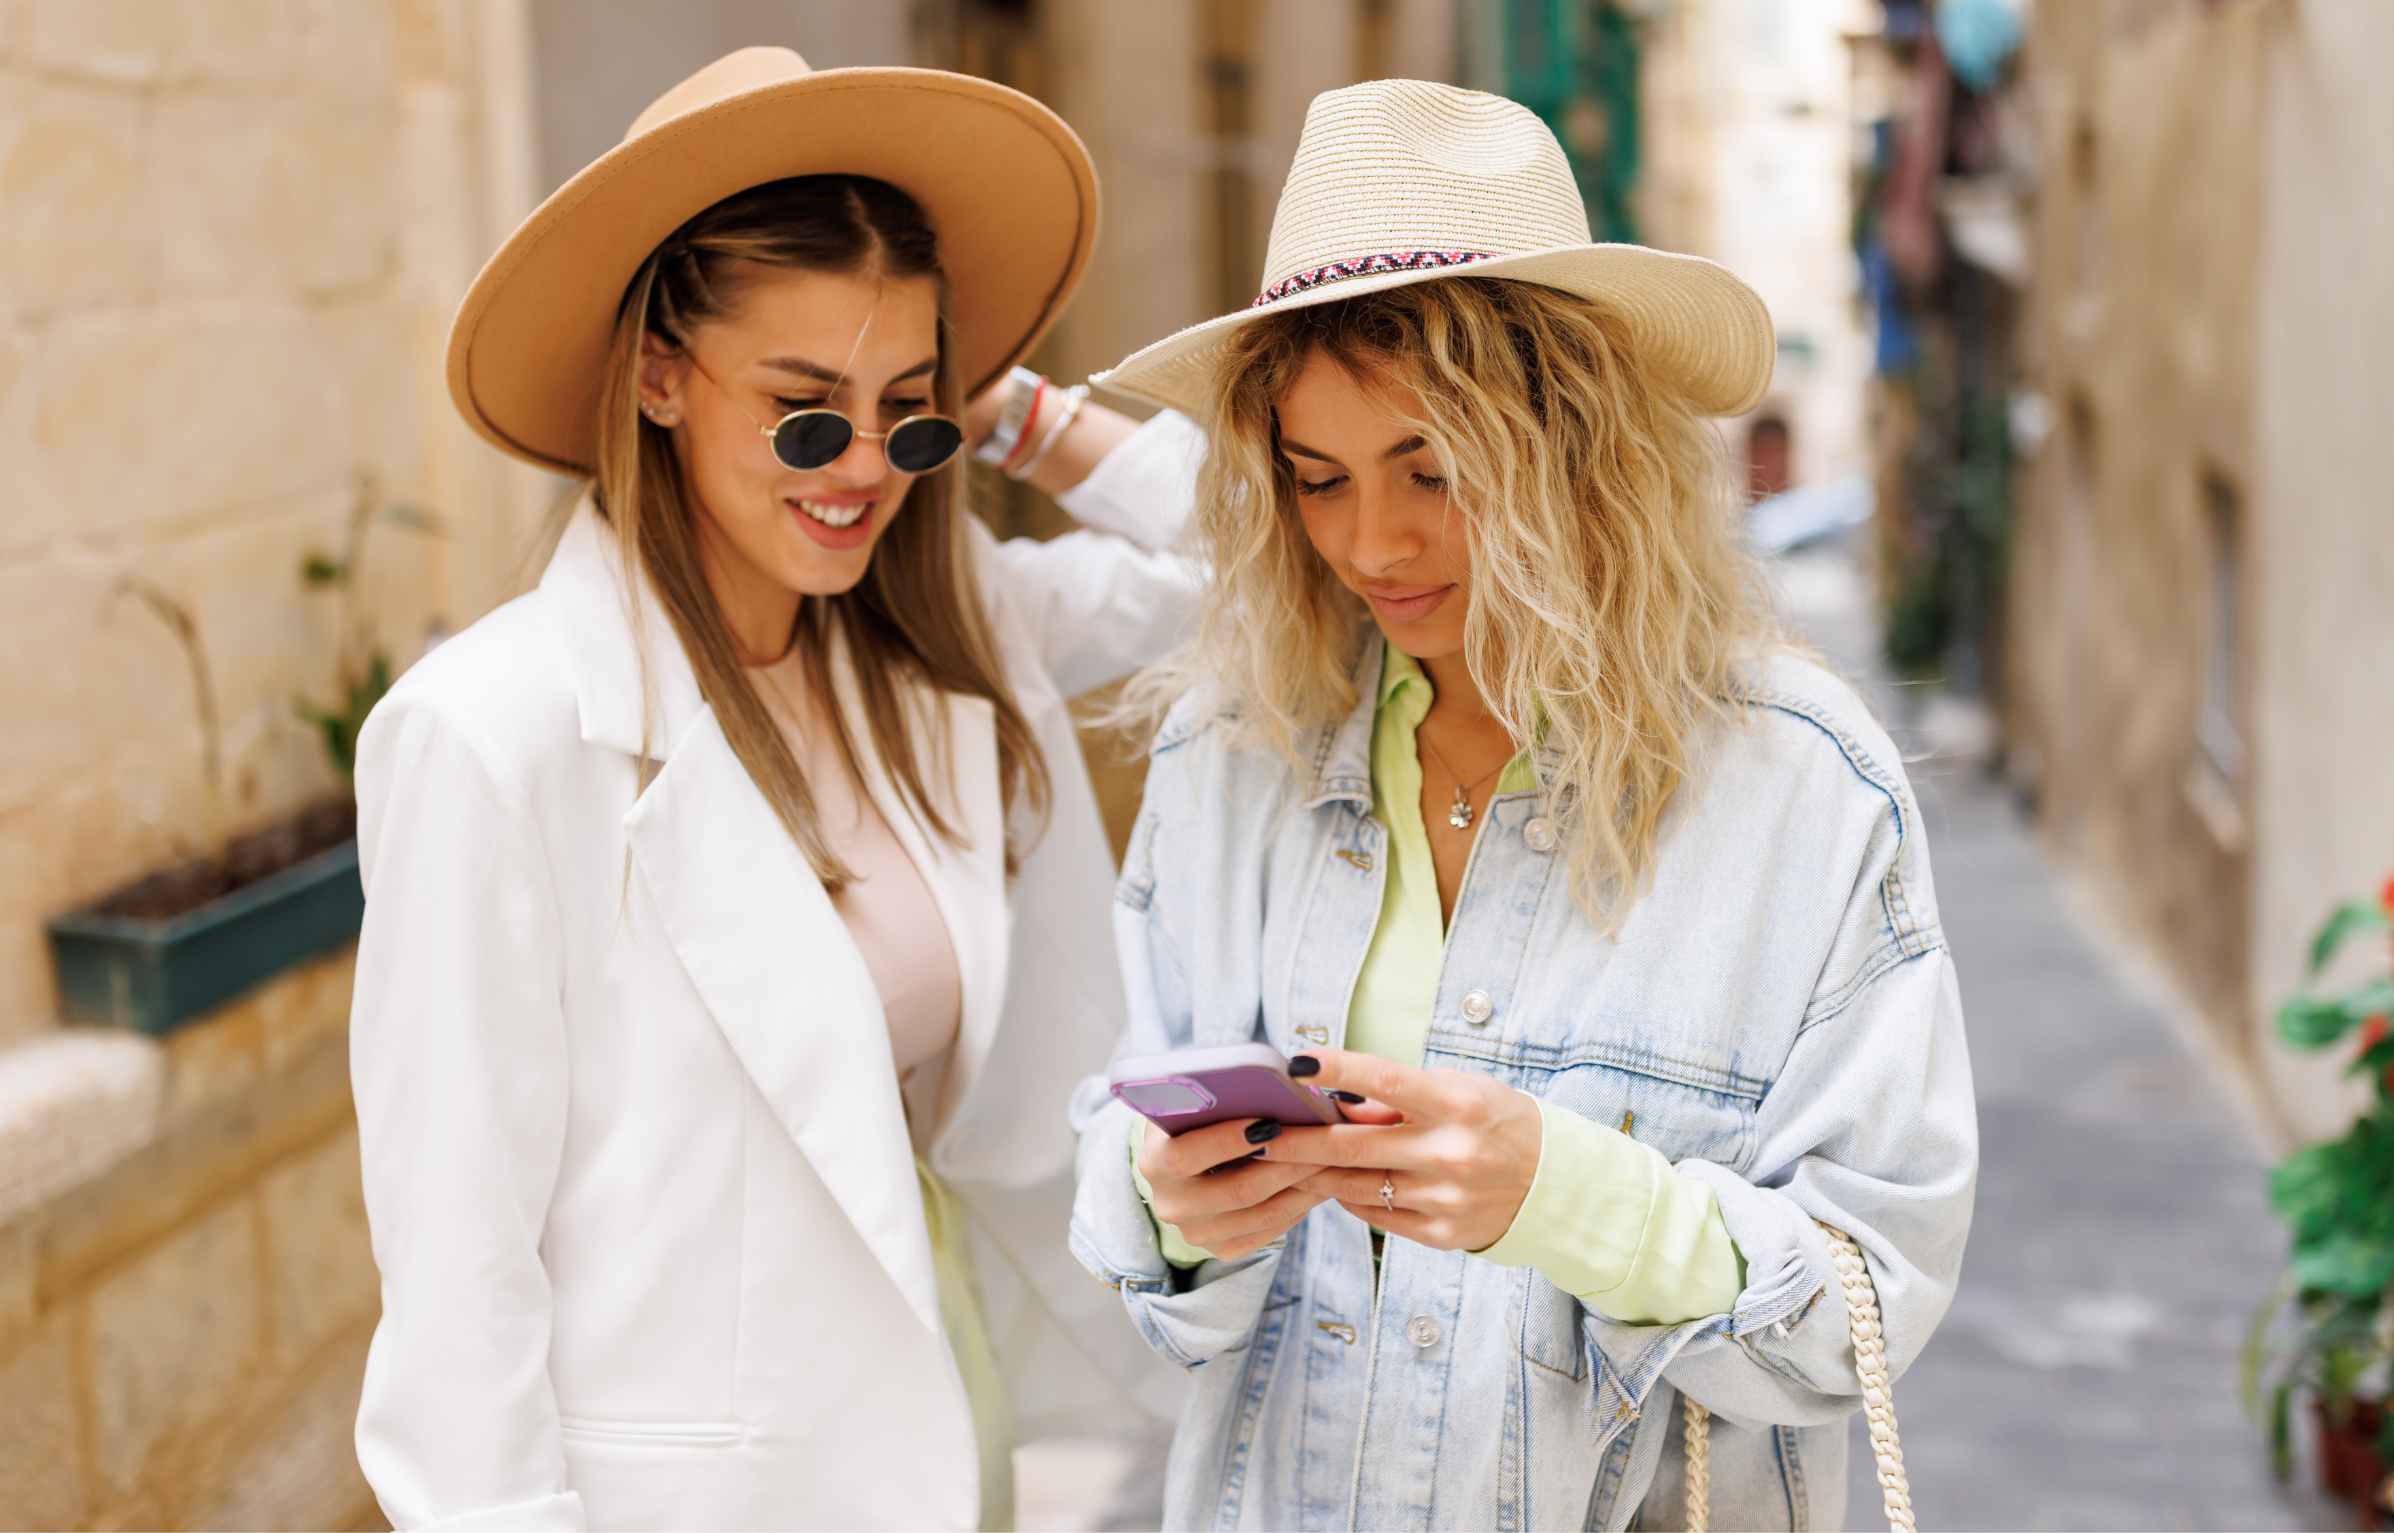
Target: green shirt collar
[(1406, 691), (1398, 672)]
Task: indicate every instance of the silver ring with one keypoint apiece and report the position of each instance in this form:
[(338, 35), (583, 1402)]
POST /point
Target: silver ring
[(1388, 1191)]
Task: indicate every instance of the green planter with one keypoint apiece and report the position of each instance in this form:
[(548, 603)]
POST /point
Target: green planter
[(156, 974)]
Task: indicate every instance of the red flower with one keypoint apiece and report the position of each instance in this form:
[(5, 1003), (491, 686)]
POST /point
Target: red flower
[(2385, 897), (2373, 1031)]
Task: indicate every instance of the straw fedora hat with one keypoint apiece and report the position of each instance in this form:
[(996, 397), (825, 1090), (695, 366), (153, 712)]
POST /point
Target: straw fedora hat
[(1008, 187), (1402, 181)]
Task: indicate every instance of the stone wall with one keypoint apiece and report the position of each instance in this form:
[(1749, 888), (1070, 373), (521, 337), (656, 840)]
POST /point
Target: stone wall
[(2200, 566), (235, 232), (2139, 334), (594, 69), (186, 1289), (1749, 122), (2323, 618)]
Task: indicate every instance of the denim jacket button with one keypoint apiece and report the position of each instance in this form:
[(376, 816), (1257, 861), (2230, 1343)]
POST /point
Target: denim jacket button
[(1539, 833), (1422, 1331), (1478, 1007)]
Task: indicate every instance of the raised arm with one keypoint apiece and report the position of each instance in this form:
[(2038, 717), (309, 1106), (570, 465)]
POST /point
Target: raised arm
[(1115, 593)]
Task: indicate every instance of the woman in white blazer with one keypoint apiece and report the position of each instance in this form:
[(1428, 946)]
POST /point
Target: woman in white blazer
[(736, 900)]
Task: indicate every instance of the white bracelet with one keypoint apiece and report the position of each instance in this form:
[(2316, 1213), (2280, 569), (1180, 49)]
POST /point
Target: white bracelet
[(1074, 398), (1022, 393)]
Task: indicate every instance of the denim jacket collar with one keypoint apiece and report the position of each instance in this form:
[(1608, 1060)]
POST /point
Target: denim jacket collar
[(1342, 752)]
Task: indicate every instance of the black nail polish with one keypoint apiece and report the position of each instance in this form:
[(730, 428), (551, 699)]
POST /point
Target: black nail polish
[(1304, 1065), (1262, 1129), (1348, 1097)]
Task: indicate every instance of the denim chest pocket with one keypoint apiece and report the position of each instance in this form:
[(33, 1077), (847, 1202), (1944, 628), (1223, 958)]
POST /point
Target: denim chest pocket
[(1689, 1111), (1685, 1111)]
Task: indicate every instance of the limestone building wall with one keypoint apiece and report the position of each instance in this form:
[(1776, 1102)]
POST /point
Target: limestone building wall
[(2199, 627), (183, 1322), (235, 232), (2322, 620), (1750, 120), (2140, 334)]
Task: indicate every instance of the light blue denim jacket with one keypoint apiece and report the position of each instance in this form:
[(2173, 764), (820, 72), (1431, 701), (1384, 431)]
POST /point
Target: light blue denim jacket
[(1778, 1015)]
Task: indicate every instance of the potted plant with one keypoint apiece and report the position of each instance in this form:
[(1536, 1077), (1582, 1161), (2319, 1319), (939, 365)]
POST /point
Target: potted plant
[(191, 936), (2327, 1334)]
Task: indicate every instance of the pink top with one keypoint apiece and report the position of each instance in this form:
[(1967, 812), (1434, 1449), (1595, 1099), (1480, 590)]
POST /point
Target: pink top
[(890, 912)]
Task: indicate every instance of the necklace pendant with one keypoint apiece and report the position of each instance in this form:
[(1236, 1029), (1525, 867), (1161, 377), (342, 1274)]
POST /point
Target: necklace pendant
[(1459, 814)]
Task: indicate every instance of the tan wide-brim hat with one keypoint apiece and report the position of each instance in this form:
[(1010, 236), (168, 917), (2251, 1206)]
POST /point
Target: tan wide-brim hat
[(1008, 188), (1403, 181)]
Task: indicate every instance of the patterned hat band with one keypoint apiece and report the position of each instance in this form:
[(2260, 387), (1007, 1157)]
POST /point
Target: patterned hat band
[(1367, 266), (1390, 166)]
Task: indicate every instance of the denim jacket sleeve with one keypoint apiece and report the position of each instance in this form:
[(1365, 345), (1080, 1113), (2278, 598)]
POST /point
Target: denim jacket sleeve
[(1870, 1127), (1190, 1316)]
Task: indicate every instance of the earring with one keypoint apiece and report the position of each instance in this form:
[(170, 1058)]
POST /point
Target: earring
[(661, 415)]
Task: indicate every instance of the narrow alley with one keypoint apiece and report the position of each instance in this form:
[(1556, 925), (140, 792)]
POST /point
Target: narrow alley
[(2086, 1377)]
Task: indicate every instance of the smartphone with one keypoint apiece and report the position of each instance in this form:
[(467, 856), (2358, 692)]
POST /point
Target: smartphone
[(1192, 1088)]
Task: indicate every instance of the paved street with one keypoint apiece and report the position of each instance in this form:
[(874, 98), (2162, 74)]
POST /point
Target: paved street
[(2086, 1377)]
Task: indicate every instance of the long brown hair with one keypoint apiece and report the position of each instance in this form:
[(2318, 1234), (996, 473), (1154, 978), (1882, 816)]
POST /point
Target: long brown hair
[(917, 612)]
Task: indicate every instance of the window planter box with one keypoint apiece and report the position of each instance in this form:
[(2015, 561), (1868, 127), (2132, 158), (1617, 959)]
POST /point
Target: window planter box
[(156, 972)]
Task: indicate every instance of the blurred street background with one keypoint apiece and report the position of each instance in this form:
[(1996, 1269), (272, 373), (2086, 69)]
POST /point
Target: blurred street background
[(2072, 462)]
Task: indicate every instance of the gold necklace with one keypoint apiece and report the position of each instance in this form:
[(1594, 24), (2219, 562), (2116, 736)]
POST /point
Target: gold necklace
[(1459, 814)]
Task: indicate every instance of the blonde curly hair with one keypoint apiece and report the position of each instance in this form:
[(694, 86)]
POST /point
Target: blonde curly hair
[(1611, 594)]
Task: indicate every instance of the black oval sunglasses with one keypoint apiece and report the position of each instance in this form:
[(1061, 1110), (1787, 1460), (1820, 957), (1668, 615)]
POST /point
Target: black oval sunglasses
[(812, 438)]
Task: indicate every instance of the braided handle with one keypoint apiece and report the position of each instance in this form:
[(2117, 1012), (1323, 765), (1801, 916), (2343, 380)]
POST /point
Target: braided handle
[(1878, 1400), (1699, 1464)]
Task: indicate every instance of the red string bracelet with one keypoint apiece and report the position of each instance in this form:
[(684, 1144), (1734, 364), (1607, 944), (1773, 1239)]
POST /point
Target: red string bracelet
[(1038, 396)]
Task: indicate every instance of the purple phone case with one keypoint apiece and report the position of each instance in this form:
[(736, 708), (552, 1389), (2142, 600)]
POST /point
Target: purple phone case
[(1179, 1103)]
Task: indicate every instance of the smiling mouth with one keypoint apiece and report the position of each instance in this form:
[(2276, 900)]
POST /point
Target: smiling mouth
[(833, 513)]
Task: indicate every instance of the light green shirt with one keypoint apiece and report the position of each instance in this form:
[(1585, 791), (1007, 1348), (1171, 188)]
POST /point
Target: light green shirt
[(968, 1338), (1606, 1219)]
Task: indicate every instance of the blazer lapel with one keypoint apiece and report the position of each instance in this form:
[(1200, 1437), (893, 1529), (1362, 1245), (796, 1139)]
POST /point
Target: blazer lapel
[(747, 919), (773, 961)]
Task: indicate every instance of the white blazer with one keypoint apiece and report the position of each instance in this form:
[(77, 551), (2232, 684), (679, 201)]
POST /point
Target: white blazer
[(653, 1252)]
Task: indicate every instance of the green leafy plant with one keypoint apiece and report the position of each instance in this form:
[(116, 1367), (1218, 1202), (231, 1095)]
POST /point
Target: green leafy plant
[(362, 670), (2328, 1330)]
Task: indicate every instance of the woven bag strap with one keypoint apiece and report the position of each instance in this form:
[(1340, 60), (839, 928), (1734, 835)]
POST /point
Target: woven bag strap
[(1878, 1400)]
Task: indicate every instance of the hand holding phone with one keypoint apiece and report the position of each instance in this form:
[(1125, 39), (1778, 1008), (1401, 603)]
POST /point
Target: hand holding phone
[(1195, 1088), (1206, 1155)]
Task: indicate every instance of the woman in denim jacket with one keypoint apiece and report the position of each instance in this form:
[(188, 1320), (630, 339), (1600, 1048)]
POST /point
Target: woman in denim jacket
[(1490, 796)]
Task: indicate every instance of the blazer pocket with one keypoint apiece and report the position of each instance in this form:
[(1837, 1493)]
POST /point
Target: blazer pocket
[(653, 1434)]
